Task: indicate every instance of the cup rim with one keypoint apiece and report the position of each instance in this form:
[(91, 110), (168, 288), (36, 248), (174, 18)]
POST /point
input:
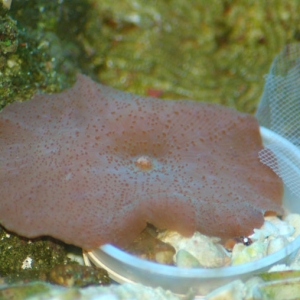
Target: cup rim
[(209, 273)]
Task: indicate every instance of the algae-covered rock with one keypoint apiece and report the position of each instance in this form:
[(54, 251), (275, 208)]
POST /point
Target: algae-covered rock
[(38, 290), (147, 246), (79, 276), (184, 259), (25, 260), (19, 254), (216, 51), (204, 249), (288, 289), (70, 275), (242, 254), (35, 53), (279, 275), (127, 291)]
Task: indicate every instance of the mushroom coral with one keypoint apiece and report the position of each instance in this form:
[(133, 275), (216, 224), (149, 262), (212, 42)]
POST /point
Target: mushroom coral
[(92, 165)]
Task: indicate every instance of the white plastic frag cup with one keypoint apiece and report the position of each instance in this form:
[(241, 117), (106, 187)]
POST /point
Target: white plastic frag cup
[(124, 267)]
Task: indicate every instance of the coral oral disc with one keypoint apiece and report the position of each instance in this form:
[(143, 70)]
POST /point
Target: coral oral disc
[(144, 163)]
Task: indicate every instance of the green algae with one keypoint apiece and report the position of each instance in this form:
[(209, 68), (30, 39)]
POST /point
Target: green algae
[(8, 40), (126, 291), (35, 53), (25, 260), (70, 275), (43, 253), (38, 290), (21, 292), (216, 51), (79, 276), (280, 275)]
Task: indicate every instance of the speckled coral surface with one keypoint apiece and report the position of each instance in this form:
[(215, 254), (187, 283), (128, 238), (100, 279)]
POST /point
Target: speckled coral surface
[(71, 167)]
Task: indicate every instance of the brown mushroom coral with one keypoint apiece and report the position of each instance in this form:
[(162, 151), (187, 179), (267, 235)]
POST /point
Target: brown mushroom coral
[(92, 165)]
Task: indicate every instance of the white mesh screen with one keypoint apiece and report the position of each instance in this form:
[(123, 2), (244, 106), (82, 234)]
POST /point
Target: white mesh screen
[(279, 111)]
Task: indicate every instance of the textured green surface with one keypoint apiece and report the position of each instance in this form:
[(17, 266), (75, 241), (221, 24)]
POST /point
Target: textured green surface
[(45, 253), (216, 51), (39, 49)]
